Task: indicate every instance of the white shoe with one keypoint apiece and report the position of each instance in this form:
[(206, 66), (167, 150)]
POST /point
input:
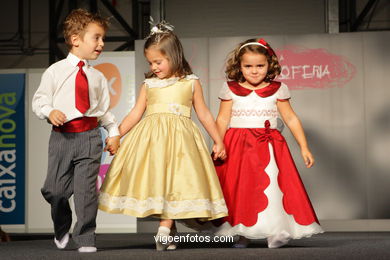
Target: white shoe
[(278, 240), (87, 249), (162, 238), (63, 242), (173, 245)]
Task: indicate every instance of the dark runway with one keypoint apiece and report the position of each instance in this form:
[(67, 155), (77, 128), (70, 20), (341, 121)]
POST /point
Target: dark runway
[(357, 245)]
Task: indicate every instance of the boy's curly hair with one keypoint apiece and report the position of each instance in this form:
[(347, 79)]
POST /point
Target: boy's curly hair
[(233, 64), (76, 22)]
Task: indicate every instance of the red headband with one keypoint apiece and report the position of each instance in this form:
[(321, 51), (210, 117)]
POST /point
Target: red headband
[(269, 49), (262, 43)]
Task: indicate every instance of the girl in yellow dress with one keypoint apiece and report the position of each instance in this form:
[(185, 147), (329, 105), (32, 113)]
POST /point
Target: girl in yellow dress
[(163, 167)]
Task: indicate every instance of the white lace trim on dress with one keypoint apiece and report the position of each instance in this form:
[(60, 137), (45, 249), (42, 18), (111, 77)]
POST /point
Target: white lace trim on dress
[(159, 203)]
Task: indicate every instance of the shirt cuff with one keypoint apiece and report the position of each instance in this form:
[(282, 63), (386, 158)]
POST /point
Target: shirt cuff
[(113, 131), (46, 110)]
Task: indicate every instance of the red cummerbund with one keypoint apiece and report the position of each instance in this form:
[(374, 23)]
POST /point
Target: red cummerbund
[(78, 125)]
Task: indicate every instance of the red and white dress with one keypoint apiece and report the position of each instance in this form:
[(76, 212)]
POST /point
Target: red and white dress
[(261, 184)]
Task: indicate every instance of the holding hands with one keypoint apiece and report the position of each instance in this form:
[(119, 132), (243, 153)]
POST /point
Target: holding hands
[(219, 151), (112, 144)]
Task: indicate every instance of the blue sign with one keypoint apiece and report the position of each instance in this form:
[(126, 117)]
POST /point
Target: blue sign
[(12, 149)]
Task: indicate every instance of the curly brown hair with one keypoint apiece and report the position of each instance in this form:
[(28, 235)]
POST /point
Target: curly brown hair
[(169, 44), (76, 22), (233, 64)]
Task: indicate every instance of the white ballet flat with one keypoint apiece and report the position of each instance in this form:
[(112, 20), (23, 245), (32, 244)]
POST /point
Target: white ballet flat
[(278, 240)]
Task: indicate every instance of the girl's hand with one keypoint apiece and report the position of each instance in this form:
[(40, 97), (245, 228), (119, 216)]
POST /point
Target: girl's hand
[(307, 158), (112, 144), (219, 151)]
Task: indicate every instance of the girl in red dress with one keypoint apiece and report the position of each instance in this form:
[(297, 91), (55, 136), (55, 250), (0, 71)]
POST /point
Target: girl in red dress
[(262, 188)]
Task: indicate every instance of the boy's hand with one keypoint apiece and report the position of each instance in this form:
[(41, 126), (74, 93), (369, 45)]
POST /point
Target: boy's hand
[(57, 118), (112, 144), (219, 151), (307, 158)]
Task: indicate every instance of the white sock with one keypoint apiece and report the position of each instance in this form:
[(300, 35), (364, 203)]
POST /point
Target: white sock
[(162, 236), (164, 231)]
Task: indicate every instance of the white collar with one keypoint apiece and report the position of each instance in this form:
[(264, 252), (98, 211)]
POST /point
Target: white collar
[(74, 60)]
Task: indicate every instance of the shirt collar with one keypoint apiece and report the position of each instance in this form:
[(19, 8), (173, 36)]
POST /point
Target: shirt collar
[(74, 60)]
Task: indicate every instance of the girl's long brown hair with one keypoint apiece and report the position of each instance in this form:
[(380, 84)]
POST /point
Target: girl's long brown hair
[(168, 43)]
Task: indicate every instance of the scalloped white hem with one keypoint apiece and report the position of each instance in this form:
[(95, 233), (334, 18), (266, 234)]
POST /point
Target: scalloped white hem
[(273, 220)]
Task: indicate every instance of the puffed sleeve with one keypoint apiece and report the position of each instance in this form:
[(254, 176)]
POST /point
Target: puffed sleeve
[(283, 93), (225, 92), (146, 82)]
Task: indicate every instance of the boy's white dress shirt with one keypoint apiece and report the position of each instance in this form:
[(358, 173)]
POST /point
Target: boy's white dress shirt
[(57, 91)]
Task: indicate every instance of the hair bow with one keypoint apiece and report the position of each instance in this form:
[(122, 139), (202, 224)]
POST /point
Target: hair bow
[(266, 45)]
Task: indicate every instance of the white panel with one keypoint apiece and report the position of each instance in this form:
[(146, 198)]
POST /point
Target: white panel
[(38, 210), (196, 53), (376, 62), (335, 131)]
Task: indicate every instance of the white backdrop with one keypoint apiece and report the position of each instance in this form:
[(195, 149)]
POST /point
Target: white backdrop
[(345, 112)]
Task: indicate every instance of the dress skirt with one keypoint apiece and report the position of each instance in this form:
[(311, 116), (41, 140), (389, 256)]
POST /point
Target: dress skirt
[(163, 169), (262, 187)]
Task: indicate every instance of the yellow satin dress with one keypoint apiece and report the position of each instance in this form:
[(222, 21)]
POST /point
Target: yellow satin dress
[(163, 167)]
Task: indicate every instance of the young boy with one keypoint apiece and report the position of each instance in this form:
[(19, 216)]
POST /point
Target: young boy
[(74, 98)]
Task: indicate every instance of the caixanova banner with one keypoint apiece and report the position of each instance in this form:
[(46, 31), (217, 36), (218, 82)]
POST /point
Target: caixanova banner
[(12, 148)]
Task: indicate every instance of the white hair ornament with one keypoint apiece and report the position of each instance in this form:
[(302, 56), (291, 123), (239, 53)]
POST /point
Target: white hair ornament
[(159, 28)]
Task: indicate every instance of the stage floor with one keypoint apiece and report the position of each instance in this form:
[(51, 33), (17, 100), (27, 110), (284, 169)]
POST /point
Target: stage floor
[(356, 245)]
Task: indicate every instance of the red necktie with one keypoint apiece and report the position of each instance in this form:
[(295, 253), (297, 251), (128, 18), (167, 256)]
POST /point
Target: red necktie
[(81, 93)]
